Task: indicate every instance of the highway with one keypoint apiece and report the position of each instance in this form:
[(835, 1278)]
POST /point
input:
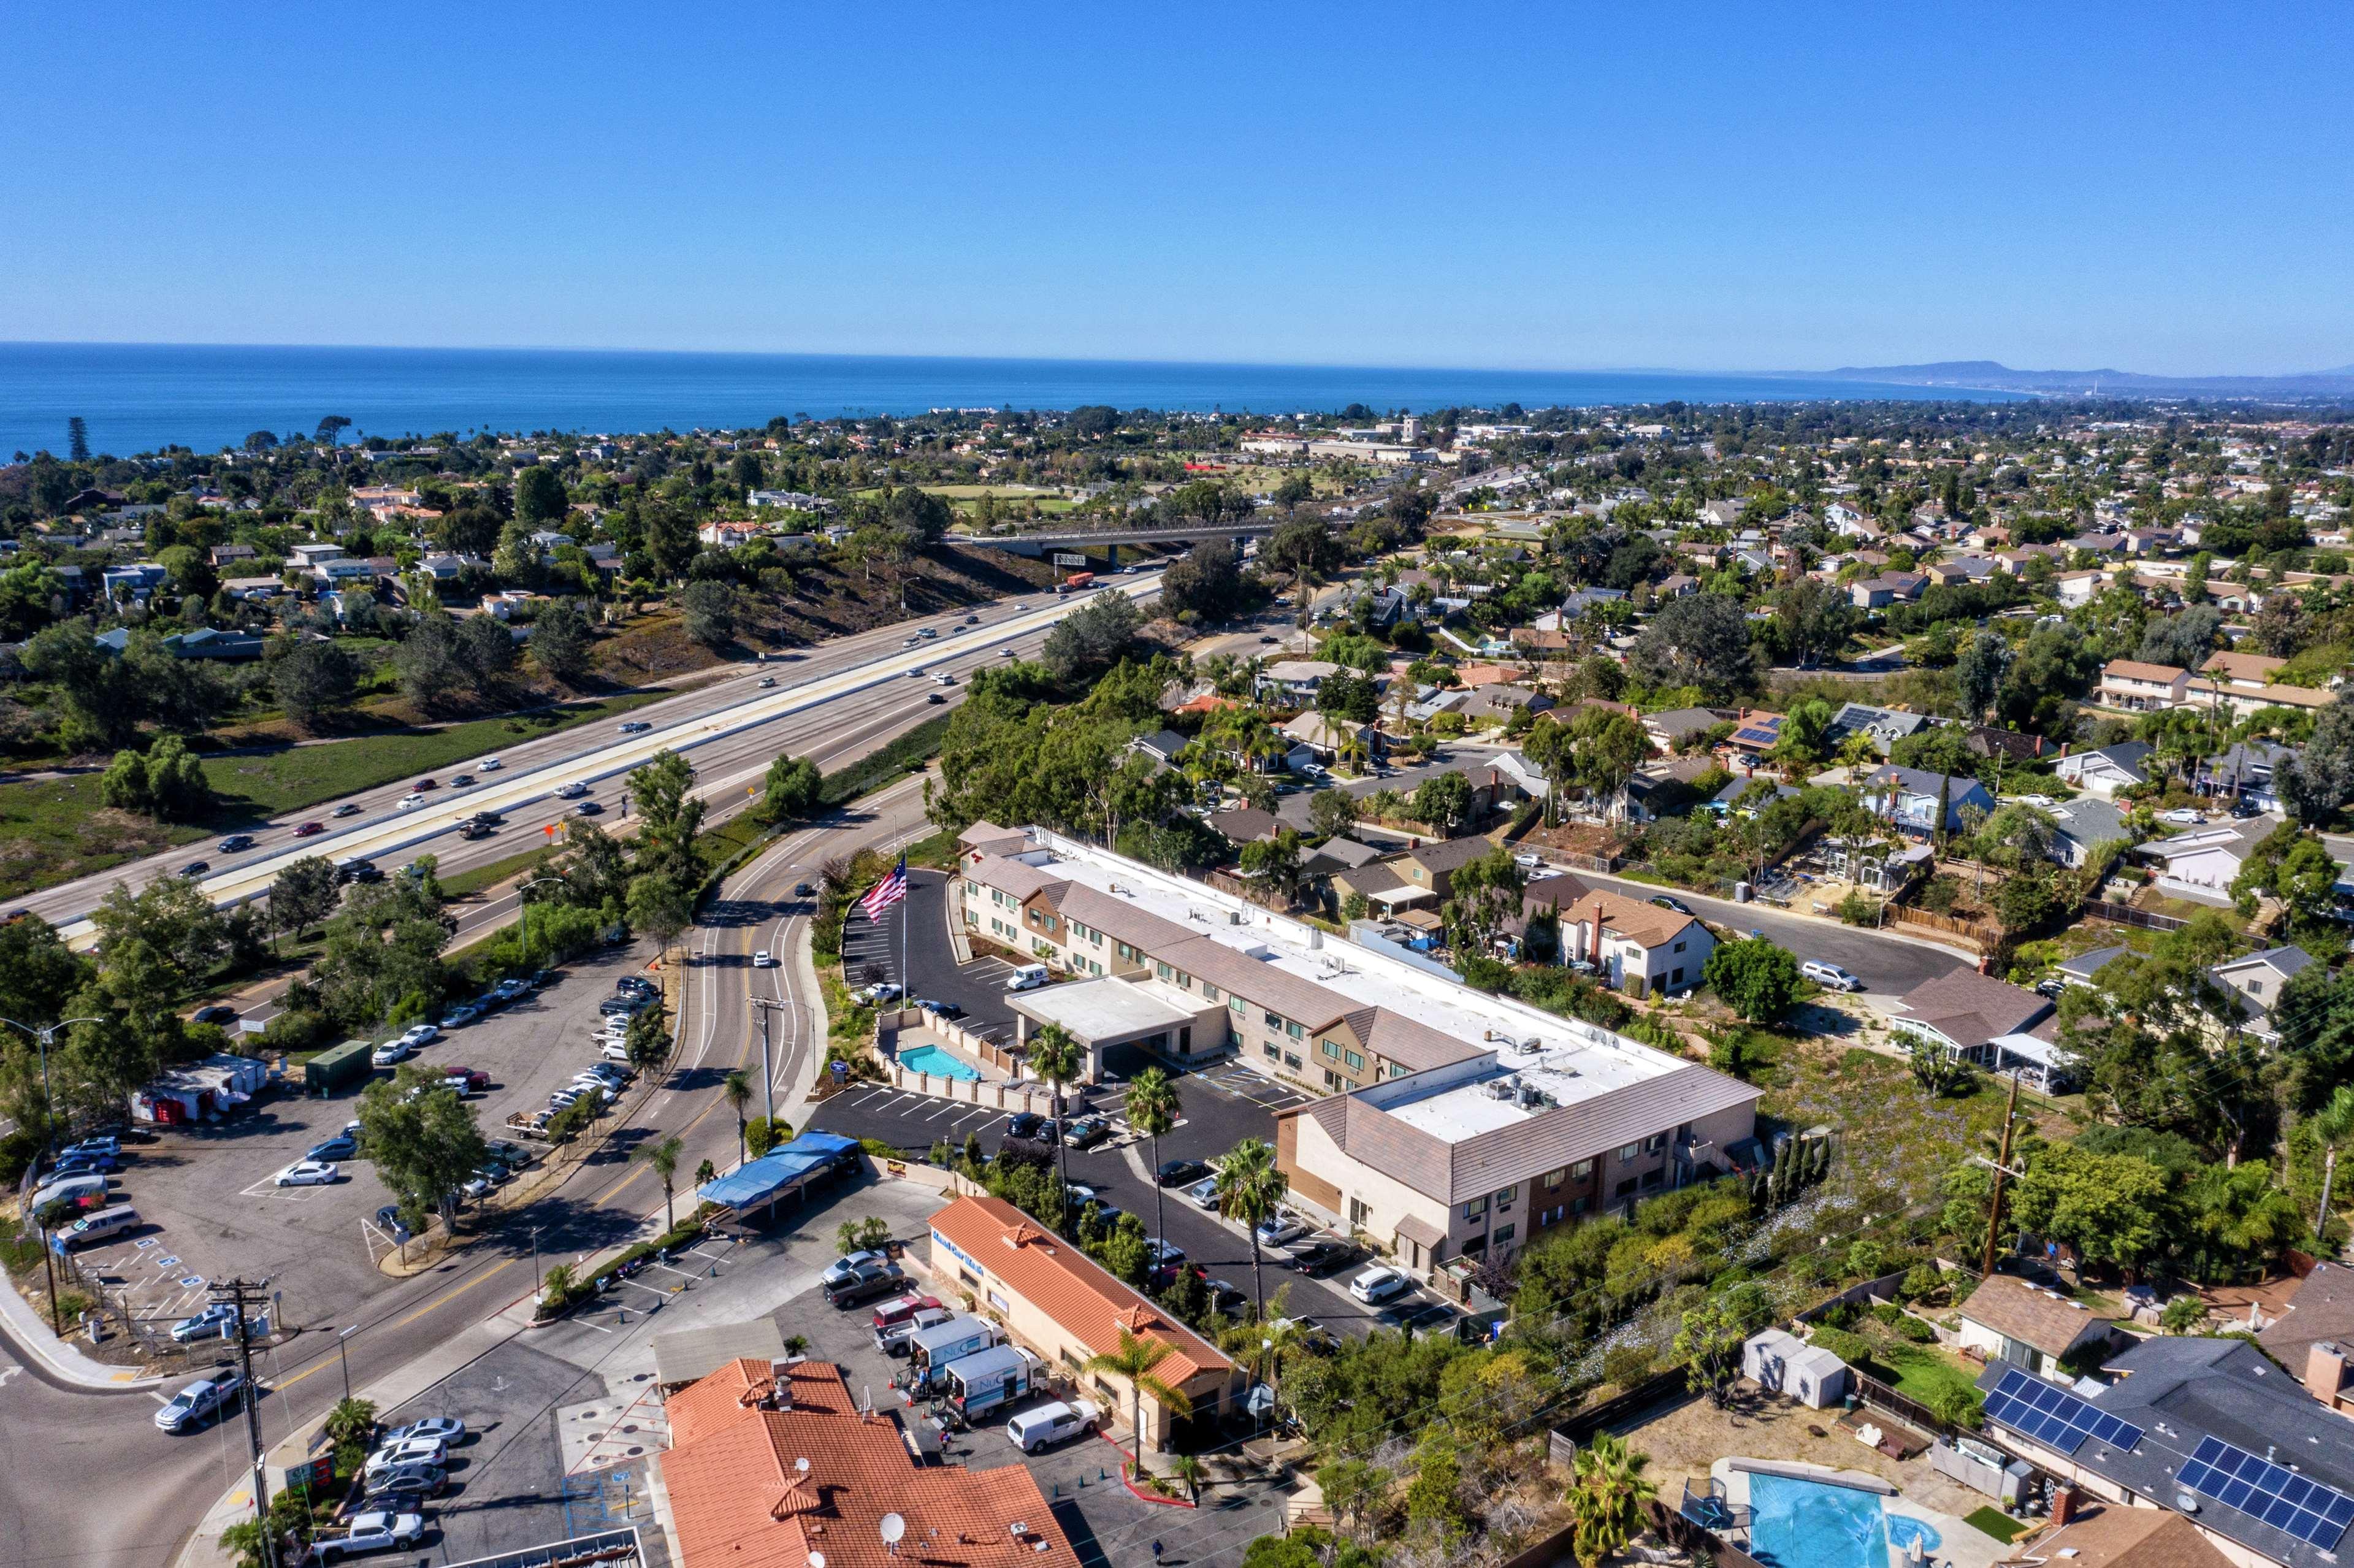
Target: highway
[(834, 702), (79, 1446)]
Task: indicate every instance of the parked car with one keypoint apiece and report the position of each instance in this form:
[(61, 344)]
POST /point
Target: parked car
[(308, 1173), (1025, 1124), (865, 1282), (1180, 1172), (409, 1483), (1087, 1132), (389, 1221), (1203, 1194), (396, 1452), (950, 1010), (370, 1530), (391, 1054), (1677, 905), (448, 1429), (1379, 1283), (2183, 816), (421, 1034), (467, 1081), (1280, 1227), (1323, 1257), (1044, 1426), (342, 1146), (848, 1264), (214, 1322), (1830, 977)]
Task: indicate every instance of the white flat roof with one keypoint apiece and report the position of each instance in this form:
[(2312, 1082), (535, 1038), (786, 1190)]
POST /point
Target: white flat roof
[(1108, 1009), (1567, 1060)]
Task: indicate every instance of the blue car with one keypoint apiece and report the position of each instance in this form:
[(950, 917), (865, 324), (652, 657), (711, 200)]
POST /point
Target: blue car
[(342, 1146)]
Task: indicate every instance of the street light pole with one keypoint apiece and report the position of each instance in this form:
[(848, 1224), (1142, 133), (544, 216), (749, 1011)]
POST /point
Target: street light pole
[(44, 1038)]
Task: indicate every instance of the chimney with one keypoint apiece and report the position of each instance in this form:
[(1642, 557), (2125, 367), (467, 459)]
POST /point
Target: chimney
[(2325, 1371), (2063, 1506)]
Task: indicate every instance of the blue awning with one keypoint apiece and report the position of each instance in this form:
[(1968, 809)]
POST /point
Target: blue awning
[(758, 1180)]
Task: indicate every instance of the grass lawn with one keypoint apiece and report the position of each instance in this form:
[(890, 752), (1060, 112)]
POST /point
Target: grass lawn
[(466, 882), (1926, 1373), (1995, 1522), (58, 830)]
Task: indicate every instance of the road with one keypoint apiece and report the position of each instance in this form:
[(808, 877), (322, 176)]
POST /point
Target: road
[(836, 701), (104, 1449)]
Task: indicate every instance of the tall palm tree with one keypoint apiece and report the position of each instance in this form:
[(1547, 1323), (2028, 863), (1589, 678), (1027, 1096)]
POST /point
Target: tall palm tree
[(1134, 1361), (737, 1089), (1606, 1501), (662, 1158), (1152, 1109), (2332, 1124), (1054, 1057), (1250, 1187)]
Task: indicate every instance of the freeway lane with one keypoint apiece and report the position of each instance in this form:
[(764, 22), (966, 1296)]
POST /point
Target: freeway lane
[(722, 727)]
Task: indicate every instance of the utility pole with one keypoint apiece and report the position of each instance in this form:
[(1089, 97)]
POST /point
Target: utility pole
[(238, 1291), (760, 1007), (2002, 1170)]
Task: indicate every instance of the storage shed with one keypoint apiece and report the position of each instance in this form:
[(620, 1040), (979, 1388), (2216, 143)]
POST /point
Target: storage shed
[(1781, 1362)]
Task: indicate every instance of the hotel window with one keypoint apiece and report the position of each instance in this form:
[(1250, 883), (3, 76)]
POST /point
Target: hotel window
[(1329, 1048), (1554, 1178), (1293, 1030), (1584, 1168), (1506, 1195), (1332, 1080), (1290, 1060), (1236, 1002), (1274, 1020), (1626, 1155), (1679, 948), (1161, 971), (1356, 1061), (1654, 1143), (1504, 1233), (1266, 1048), (1209, 992), (1474, 1209), (1397, 1071)]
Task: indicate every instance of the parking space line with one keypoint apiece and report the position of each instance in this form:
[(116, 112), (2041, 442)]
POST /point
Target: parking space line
[(945, 1106)]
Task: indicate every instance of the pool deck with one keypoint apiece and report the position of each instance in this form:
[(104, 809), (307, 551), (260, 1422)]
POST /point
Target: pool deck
[(1960, 1545)]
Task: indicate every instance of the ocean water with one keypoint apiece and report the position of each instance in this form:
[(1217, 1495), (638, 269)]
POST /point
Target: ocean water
[(139, 396)]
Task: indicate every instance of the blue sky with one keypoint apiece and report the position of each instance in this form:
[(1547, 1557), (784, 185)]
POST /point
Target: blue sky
[(2155, 187)]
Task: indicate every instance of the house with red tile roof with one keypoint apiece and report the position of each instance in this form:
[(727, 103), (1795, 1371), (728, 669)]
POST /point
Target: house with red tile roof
[(772, 1464)]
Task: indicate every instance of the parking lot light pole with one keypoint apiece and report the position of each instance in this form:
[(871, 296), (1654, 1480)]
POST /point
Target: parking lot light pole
[(44, 1039)]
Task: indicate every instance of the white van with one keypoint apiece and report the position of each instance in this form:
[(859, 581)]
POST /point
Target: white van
[(944, 678), (1051, 1424), (1029, 977), (103, 1225)]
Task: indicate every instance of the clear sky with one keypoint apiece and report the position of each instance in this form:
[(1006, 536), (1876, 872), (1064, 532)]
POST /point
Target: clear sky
[(2153, 186)]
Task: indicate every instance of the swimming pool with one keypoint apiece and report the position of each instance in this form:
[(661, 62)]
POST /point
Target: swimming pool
[(1809, 1524), (938, 1063)]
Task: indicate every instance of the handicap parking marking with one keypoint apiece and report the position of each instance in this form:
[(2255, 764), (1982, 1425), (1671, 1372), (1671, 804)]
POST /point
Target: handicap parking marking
[(143, 1242), (164, 1262)]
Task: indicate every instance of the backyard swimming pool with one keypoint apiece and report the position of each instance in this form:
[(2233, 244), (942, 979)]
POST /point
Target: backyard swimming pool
[(938, 1063), (1809, 1524)]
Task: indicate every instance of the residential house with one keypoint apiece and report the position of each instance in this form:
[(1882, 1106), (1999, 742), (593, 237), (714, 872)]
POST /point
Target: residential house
[(2084, 824), (1978, 1018), (1676, 585), (2242, 672), (2201, 864), (2008, 1318), (2108, 770), (1722, 514), (2244, 772), (724, 534), (2084, 969), (1328, 736), (1884, 726), (2314, 1335), (1498, 703), (2078, 589), (1245, 825), (1293, 683), (1671, 727), (1163, 746), (1889, 587), (1755, 732), (2257, 979), (1432, 867), (1908, 797), (231, 555), (2136, 687), (1642, 948), (2180, 1426)]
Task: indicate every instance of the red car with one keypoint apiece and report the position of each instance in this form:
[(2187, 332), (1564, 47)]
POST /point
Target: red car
[(427, 784), (307, 829)]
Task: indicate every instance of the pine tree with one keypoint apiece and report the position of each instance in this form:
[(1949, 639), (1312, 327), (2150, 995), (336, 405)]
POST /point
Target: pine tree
[(78, 440)]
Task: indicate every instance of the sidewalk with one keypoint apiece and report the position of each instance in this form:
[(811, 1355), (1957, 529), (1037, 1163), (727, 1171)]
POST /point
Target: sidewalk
[(29, 1333)]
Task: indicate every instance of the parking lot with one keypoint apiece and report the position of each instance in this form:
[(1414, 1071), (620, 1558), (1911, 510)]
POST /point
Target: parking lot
[(978, 988), (208, 1196)]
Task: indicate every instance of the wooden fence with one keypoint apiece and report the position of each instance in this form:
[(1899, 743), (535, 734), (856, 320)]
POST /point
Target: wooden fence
[(1983, 935), (2126, 915)]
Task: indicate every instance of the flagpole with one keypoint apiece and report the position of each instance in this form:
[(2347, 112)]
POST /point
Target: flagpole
[(907, 975)]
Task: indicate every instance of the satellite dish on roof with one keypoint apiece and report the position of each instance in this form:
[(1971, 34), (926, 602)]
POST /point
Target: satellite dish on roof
[(817, 1559), (893, 1528), (800, 1466)]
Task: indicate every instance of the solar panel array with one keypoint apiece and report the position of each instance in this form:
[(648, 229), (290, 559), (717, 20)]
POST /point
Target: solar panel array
[(2053, 1417), (2263, 1490)]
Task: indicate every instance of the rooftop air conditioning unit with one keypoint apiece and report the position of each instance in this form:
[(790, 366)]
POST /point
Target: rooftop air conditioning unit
[(1235, 917)]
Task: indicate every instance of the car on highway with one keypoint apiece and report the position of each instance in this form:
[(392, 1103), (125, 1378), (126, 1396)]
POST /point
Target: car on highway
[(1322, 1257), (587, 809), (1672, 905), (1378, 1284), (348, 808), (427, 784), (196, 868), (1006, 651), (449, 1429), (1830, 977), (572, 791), (342, 1146), (489, 765), (308, 1173), (215, 1013), (309, 830), (764, 959), (636, 727), (235, 842), (1087, 1132), (391, 1054), (368, 1532), (421, 1034), (1280, 1227), (767, 680), (471, 831), (214, 1322), (804, 890), (1026, 1124), (462, 781), (935, 698), (409, 803), (1180, 1172), (216, 1395)]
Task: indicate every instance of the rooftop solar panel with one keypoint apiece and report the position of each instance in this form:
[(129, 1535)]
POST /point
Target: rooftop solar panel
[(2270, 1493), (2053, 1417)]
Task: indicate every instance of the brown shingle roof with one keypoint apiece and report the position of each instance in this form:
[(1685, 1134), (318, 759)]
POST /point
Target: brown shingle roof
[(2115, 1536), (1645, 924), (2134, 670), (2018, 1310), (1970, 1008)]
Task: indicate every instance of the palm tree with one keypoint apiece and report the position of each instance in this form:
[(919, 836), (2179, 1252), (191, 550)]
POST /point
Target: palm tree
[(1189, 1468), (737, 1089), (706, 1173), (1134, 1361), (664, 1159), (1054, 1057), (1152, 1109), (2332, 1124), (1250, 1187), (1605, 1502)]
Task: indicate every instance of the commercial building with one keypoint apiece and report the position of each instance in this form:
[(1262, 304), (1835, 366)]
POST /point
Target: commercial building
[(1051, 1297), (772, 1464)]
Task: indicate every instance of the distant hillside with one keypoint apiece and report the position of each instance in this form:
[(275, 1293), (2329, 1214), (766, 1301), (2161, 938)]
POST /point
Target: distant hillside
[(1987, 373)]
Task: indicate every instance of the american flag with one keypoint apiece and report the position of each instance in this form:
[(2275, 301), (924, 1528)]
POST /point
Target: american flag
[(887, 892)]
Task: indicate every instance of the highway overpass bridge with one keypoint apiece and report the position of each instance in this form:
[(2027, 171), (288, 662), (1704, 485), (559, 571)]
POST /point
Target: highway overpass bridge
[(1109, 540)]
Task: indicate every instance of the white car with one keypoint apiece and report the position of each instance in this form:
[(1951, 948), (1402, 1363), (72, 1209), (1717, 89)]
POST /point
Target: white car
[(371, 1530), (842, 1268), (448, 1428), (572, 791), (1203, 1194), (392, 1053), (1830, 977), (2183, 816), (764, 959), (307, 1173), (412, 802), (2037, 801), (407, 1451), (614, 1051), (1280, 1228), (422, 1034), (1379, 1283), (488, 765), (1006, 651)]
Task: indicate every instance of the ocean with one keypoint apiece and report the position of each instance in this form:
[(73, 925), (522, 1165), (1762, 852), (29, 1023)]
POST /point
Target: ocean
[(140, 396)]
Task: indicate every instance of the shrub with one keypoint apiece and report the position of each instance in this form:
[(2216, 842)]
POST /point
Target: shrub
[(1852, 1349), (1914, 1330), (1626, 1365)]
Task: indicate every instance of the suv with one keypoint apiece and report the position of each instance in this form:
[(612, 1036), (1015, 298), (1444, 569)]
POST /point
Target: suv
[(1830, 977), (865, 1282), (376, 1529), (214, 1395)]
